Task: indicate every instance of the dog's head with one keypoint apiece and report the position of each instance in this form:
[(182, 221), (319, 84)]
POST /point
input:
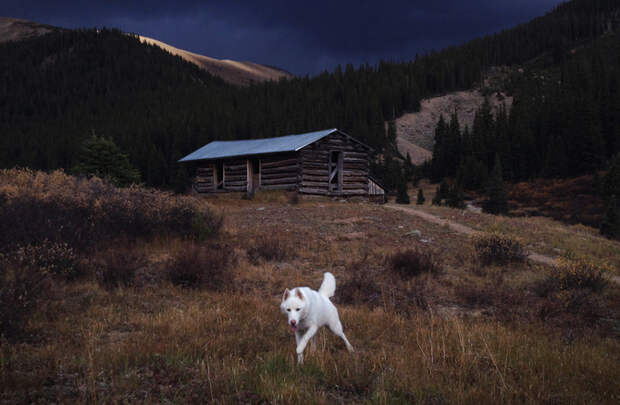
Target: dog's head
[(294, 306)]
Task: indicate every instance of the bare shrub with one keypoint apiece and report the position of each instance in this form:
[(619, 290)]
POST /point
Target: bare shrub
[(269, 248), (413, 262), (36, 206), (22, 289), (498, 249), (368, 284), (362, 286), (118, 268), (579, 274), (55, 258), (198, 266)]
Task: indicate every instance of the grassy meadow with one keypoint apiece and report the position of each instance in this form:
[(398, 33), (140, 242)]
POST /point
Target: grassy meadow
[(138, 296)]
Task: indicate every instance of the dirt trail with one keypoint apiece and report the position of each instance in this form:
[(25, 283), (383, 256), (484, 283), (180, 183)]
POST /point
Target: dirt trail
[(460, 228)]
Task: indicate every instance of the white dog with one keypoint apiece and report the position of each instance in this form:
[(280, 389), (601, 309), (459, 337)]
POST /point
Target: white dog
[(308, 310)]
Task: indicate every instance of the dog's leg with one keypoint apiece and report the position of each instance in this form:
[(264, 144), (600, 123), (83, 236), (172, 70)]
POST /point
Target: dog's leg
[(301, 345), (336, 327), (313, 344)]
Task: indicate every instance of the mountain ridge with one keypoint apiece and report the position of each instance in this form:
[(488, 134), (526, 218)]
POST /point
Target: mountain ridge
[(241, 73)]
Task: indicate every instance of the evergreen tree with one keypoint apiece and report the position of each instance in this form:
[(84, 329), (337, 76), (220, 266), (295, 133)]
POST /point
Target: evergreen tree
[(610, 227), (444, 189), (438, 163), (496, 202), (402, 197), (420, 200), (437, 198), (456, 197), (182, 180), (611, 180), (101, 157)]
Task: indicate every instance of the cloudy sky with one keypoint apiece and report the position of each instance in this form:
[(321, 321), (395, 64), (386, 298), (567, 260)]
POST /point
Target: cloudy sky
[(303, 37)]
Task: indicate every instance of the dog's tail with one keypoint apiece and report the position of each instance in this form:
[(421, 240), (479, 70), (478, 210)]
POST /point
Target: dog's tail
[(328, 287)]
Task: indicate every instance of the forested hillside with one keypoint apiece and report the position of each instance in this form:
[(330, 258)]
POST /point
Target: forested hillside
[(60, 88), (564, 122)]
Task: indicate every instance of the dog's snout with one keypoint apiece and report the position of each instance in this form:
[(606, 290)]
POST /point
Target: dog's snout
[(293, 322)]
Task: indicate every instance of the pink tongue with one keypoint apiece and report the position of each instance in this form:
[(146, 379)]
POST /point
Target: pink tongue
[(293, 328)]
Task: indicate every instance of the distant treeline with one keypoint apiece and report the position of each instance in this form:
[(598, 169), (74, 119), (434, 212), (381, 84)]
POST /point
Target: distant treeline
[(56, 90)]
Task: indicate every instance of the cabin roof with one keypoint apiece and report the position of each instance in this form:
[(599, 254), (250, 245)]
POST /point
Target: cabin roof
[(248, 147)]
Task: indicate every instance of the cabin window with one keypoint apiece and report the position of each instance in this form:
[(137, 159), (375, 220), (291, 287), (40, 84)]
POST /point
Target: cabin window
[(219, 175), (335, 170)]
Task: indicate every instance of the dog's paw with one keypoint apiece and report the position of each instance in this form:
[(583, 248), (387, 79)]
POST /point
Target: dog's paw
[(300, 359)]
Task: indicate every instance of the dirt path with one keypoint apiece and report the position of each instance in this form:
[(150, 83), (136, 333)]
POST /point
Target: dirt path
[(456, 227)]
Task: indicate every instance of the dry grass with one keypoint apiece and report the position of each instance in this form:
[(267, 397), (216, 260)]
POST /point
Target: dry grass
[(467, 335), (200, 347)]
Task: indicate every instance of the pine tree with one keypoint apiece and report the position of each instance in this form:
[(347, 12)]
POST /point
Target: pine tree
[(101, 157), (437, 198), (611, 180), (444, 189), (456, 197), (420, 200), (402, 197), (497, 202), (610, 227), (438, 163)]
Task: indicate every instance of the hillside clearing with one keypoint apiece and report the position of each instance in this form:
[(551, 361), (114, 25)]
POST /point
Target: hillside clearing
[(464, 333)]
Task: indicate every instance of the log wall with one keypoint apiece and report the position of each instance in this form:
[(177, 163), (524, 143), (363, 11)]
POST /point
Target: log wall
[(204, 181), (235, 175), (280, 172), (314, 161)]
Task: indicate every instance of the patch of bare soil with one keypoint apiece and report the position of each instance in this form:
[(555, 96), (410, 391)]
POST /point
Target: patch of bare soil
[(456, 227), (14, 29), (415, 131)]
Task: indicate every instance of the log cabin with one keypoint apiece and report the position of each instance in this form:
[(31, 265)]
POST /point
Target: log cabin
[(327, 162)]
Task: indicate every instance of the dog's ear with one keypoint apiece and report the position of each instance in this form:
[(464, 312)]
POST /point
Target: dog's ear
[(286, 294), (299, 294)]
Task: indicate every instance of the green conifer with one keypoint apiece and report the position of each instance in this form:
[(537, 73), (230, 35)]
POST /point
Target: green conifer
[(437, 198), (402, 197), (101, 157), (610, 227), (420, 200), (497, 202), (456, 197)]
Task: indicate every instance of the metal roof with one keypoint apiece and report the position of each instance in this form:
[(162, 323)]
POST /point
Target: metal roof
[(225, 149)]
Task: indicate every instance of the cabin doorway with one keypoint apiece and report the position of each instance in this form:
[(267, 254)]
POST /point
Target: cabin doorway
[(219, 175), (253, 175), (335, 171)]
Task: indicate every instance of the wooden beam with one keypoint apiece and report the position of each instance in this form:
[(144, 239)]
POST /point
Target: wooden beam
[(320, 184), (323, 172), (279, 175), (309, 190), (290, 168), (280, 180), (277, 163), (306, 177), (228, 184), (231, 177)]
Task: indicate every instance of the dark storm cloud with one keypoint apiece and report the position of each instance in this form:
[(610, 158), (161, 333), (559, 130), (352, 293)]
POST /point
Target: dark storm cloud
[(301, 36)]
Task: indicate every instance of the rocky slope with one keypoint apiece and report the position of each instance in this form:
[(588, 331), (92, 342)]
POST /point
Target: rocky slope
[(415, 131)]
